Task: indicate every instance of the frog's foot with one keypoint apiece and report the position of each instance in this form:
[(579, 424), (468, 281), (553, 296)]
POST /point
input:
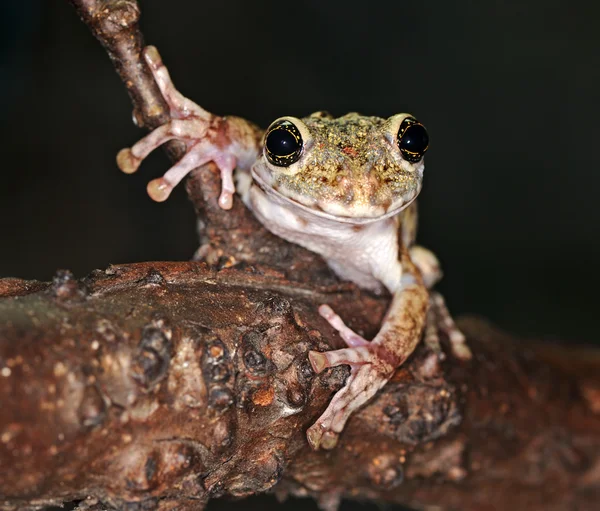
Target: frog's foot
[(440, 320), (351, 338), (368, 373), (199, 150), (228, 142), (180, 106)]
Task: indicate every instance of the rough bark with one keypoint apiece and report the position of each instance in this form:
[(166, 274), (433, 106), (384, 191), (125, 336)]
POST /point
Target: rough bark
[(161, 385), (170, 383)]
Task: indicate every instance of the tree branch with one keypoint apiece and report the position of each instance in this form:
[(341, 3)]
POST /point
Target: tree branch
[(166, 384), (170, 383)]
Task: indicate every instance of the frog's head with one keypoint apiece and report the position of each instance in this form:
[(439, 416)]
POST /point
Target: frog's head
[(353, 168)]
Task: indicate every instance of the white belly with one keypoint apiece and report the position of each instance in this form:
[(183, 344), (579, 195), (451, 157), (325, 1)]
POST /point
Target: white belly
[(366, 254)]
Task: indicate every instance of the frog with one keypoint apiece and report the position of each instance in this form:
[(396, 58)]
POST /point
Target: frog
[(344, 188)]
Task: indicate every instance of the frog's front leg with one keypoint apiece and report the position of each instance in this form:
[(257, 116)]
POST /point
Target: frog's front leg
[(372, 363), (230, 142)]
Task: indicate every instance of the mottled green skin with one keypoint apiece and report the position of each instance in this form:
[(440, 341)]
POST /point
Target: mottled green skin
[(350, 166)]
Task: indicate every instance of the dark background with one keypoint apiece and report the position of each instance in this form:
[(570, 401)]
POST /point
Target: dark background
[(508, 90)]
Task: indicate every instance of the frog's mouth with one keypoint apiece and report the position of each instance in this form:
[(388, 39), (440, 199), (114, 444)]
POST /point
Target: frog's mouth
[(316, 210)]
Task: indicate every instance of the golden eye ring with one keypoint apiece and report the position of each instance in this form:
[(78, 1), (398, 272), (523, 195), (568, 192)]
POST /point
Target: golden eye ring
[(283, 143), (413, 140)]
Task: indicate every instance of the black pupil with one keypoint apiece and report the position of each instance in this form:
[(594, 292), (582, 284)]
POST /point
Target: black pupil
[(281, 142), (415, 139)]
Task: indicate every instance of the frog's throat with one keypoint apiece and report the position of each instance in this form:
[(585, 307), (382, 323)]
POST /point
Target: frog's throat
[(287, 201)]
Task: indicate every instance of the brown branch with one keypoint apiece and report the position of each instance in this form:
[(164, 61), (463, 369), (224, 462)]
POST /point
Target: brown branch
[(170, 383), (115, 24), (166, 384)]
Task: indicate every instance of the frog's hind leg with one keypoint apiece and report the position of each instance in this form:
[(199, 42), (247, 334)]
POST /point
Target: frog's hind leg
[(431, 336), (441, 318), (438, 316)]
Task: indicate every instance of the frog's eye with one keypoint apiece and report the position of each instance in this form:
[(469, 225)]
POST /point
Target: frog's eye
[(413, 140), (283, 143)]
